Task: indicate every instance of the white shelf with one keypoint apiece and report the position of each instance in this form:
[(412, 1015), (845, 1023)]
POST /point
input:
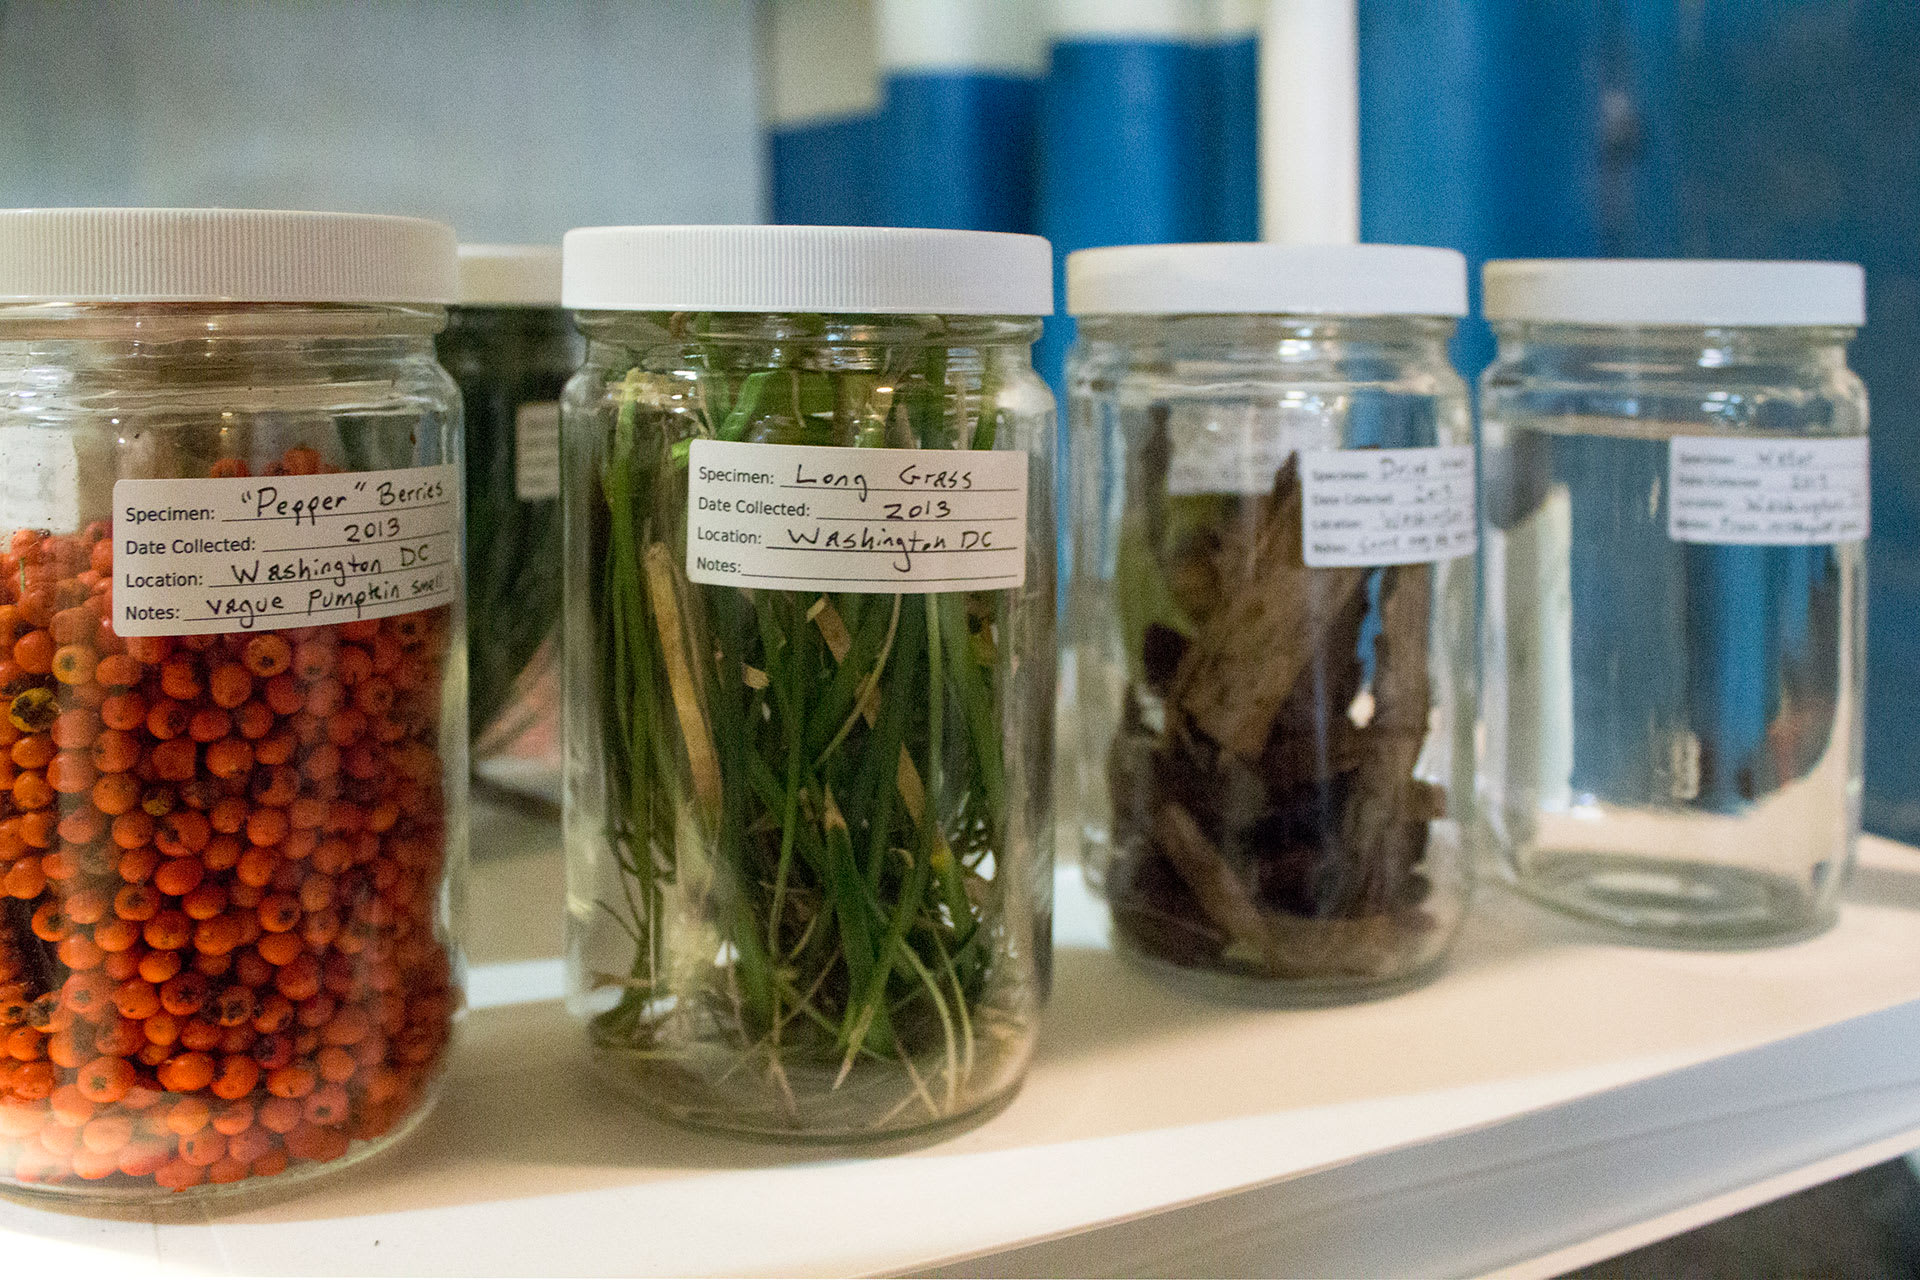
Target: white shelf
[(1553, 1099)]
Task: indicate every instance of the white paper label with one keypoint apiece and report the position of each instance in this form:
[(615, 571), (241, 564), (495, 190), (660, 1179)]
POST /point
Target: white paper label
[(536, 451), (1747, 491), (200, 557), (39, 480), (1239, 448), (1364, 507), (821, 518)]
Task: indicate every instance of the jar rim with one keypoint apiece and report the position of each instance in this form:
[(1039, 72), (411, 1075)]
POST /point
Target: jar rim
[(167, 321)]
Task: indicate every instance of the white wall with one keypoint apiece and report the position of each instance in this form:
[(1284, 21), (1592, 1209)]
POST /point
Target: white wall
[(512, 119)]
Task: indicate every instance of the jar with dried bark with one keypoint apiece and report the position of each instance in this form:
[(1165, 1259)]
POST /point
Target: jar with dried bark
[(1271, 612)]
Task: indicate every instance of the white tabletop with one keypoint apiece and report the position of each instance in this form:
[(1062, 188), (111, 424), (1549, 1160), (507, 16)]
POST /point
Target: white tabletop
[(1553, 1098)]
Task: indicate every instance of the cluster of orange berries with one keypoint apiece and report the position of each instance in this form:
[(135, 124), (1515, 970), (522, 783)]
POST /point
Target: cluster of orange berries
[(221, 949)]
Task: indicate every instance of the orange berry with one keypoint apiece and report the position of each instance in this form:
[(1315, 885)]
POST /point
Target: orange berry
[(106, 1080), (133, 829), (279, 949), (116, 935), (235, 1119), (179, 1175), (209, 724), (136, 902), (159, 966), (267, 656), (178, 679), (230, 758), (115, 793), (203, 1146), (238, 1075), (34, 652), (218, 936), (137, 999), (167, 719), (25, 879), (75, 727), (174, 760), (30, 791), (187, 1072), (115, 751), (229, 685), (267, 827), (279, 1115), (73, 664), (118, 670), (123, 711), (72, 1107)]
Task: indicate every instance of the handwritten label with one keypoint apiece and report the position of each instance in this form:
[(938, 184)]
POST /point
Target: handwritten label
[(1364, 507), (204, 557), (1240, 448), (39, 480), (1748, 491), (821, 518), (536, 451)]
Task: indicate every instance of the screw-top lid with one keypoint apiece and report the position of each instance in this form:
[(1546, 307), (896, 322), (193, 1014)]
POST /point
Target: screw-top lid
[(1267, 279), (222, 255), (509, 275), (880, 270), (1654, 291)]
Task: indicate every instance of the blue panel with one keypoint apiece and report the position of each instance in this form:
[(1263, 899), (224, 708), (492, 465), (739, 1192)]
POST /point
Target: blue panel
[(1231, 101), (959, 151), (1479, 131), (822, 174), (1125, 158)]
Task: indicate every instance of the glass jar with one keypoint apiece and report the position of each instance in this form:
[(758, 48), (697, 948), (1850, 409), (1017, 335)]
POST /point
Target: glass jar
[(1271, 612), (234, 712), (810, 664), (511, 349), (1675, 462)]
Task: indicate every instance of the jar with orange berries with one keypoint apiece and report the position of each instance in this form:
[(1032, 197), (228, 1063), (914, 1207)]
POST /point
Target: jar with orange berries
[(232, 696)]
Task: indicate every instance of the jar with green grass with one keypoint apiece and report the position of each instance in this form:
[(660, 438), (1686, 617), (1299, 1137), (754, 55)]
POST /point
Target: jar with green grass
[(809, 644)]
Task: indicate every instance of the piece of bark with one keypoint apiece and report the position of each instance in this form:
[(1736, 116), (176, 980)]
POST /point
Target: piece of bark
[(1239, 671), (1314, 736), (1402, 699), (1219, 891), (1367, 947)]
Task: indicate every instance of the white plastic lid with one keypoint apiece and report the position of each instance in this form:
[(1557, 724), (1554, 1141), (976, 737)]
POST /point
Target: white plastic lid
[(1267, 279), (222, 255), (882, 270), (1655, 291), (509, 275)]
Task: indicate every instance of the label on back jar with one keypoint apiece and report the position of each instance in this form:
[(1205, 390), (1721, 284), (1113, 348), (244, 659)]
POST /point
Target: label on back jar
[(1750, 491), (822, 518), (536, 451), (1239, 448), (1365, 507), (201, 557)]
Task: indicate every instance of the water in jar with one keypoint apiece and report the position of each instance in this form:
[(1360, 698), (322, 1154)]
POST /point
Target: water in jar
[(1674, 746)]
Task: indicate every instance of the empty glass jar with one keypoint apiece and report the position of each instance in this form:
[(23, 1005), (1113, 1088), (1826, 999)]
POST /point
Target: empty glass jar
[(1675, 471), (1271, 611), (810, 666)]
